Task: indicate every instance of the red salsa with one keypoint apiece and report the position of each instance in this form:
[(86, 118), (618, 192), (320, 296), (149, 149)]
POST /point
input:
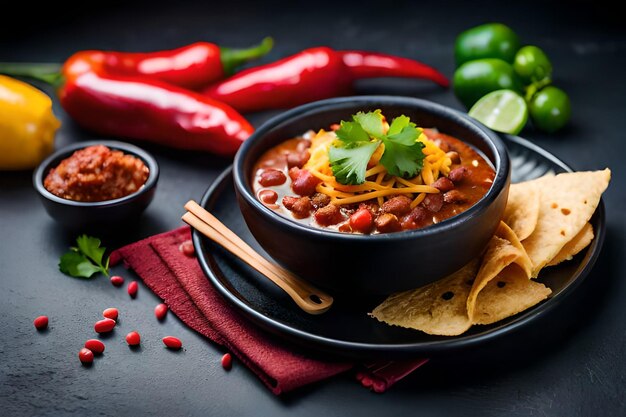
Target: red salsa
[(282, 183), (97, 173)]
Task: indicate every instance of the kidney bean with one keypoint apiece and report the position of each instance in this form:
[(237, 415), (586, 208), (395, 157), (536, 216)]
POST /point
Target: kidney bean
[(41, 322), (303, 145), (132, 289), (271, 177), (301, 207), (227, 361), (104, 325), (320, 200), (443, 184), (172, 342), (328, 215), (305, 183), (398, 205), (387, 223), (433, 202), (85, 356), (133, 339), (458, 174), (414, 219), (160, 311), (454, 196), (95, 345), (362, 221), (187, 248), (268, 196), (117, 281), (111, 313), (297, 159), (293, 173)]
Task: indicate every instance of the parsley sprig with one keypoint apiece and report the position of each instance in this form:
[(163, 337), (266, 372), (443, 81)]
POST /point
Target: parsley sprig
[(85, 259), (357, 140)]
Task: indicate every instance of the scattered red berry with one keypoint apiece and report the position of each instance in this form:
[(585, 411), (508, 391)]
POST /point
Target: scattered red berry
[(160, 311), (41, 322), (95, 346), (104, 326), (227, 361), (132, 289), (187, 248), (172, 342), (117, 280), (111, 313), (133, 339), (85, 356)]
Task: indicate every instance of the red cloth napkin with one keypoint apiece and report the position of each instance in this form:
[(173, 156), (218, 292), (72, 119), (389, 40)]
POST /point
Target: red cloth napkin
[(179, 281)]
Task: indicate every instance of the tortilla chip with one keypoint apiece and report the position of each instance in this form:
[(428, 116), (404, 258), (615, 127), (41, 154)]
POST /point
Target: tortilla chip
[(574, 246), (504, 249), (568, 201), (522, 208), (438, 308), (509, 293)]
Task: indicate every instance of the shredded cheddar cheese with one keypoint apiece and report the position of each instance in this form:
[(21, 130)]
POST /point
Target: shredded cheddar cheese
[(378, 183)]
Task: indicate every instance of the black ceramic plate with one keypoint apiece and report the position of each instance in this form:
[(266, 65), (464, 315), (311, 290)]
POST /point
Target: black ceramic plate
[(346, 328)]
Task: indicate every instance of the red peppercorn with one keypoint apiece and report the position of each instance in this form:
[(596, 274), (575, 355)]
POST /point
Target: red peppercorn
[(104, 325), (160, 311), (227, 361), (94, 345), (132, 289), (111, 313), (133, 339), (85, 356), (117, 280), (187, 248), (172, 342), (41, 322)]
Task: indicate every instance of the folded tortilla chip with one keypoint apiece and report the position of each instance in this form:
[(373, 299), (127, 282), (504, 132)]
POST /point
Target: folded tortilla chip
[(509, 293), (568, 201), (522, 208), (504, 250), (574, 246), (438, 308)]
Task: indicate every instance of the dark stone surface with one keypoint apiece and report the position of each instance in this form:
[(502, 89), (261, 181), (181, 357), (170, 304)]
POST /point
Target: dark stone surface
[(574, 367)]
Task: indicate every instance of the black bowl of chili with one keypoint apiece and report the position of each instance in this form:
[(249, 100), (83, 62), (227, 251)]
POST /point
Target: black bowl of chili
[(377, 261), (96, 185)]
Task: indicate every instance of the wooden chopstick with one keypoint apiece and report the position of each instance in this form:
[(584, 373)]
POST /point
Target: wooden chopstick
[(307, 297)]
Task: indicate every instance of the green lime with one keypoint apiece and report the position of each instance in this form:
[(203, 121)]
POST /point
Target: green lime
[(476, 78), (501, 110), (491, 40), (532, 64), (550, 109)]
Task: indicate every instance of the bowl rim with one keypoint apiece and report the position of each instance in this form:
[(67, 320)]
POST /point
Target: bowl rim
[(501, 163), (66, 151)]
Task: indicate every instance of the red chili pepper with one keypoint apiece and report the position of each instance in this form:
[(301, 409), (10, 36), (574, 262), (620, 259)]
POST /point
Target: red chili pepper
[(310, 75), (141, 108), (190, 66), (371, 65)]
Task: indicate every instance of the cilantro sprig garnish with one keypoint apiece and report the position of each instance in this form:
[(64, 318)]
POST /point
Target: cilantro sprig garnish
[(85, 259), (357, 140)]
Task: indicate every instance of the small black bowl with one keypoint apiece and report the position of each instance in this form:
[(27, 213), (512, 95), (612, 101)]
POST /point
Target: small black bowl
[(382, 263), (100, 215)]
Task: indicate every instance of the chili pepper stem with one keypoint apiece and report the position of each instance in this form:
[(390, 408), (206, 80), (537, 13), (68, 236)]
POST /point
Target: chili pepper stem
[(232, 58), (47, 72)]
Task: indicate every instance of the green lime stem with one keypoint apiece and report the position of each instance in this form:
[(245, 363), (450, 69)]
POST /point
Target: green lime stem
[(232, 58)]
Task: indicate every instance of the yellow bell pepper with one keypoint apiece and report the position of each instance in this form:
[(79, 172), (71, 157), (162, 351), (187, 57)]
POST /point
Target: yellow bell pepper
[(27, 125)]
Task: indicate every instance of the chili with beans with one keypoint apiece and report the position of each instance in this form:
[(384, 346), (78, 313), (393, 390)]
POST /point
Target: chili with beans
[(281, 183)]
